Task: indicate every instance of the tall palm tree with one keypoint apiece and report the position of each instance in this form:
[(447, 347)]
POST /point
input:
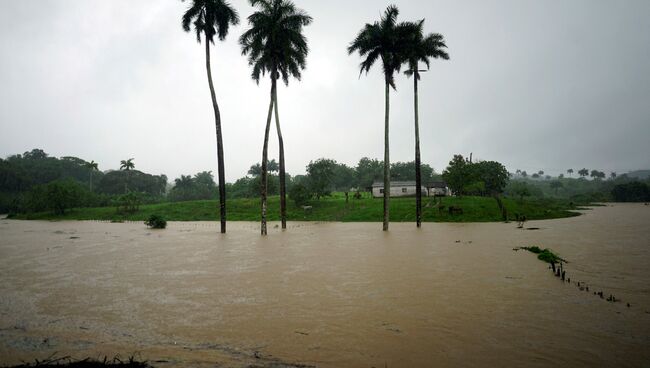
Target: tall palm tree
[(127, 165), (421, 49), (275, 45), (210, 18), (92, 166), (385, 40)]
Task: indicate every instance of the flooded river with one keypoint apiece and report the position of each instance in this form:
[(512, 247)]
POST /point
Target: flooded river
[(330, 294)]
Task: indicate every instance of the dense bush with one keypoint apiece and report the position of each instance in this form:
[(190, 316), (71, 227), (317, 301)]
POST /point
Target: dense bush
[(156, 222), (58, 196), (631, 192), (299, 193), (128, 203)]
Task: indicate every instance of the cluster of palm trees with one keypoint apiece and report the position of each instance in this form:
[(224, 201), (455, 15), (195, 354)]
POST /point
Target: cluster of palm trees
[(398, 44), (276, 46)]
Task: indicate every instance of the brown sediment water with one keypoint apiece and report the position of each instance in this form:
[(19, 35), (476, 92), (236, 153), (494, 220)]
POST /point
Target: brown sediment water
[(329, 294)]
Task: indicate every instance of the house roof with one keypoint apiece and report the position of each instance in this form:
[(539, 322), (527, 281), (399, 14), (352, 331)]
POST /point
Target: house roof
[(435, 184)]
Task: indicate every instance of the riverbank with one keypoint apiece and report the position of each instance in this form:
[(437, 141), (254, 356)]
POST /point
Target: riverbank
[(331, 209)]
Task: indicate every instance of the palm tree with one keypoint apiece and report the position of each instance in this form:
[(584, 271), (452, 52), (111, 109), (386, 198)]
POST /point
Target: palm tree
[(421, 49), (275, 45), (385, 40), (570, 172), (210, 18), (127, 165), (92, 166)]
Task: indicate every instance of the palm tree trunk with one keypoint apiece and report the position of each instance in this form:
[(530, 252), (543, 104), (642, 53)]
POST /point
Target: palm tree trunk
[(387, 161), (91, 181), (418, 169), (265, 159), (283, 184), (217, 123)]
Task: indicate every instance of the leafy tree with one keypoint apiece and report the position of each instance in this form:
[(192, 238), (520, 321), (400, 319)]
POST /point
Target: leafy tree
[(343, 179), (598, 175), (367, 171), (321, 174), (213, 18), (457, 174), (385, 40), (583, 173), (58, 196), (405, 171), (421, 49), (199, 187), (524, 174), (300, 194), (535, 176), (113, 183), (541, 173), (275, 44), (493, 174)]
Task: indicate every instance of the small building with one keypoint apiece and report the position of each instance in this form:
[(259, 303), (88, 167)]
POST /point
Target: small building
[(409, 189)]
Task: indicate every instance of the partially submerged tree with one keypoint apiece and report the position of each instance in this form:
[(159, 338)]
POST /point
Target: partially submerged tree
[(275, 44), (384, 40), (213, 18), (420, 50)]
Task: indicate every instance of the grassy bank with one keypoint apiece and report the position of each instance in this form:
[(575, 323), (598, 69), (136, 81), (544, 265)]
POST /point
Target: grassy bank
[(475, 209)]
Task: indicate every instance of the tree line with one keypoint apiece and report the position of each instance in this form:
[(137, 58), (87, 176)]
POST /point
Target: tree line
[(34, 181)]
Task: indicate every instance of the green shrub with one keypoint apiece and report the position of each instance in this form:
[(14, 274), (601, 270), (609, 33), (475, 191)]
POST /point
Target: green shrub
[(300, 194), (156, 222), (545, 255)]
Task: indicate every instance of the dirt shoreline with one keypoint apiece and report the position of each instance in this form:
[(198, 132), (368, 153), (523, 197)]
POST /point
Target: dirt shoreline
[(328, 294)]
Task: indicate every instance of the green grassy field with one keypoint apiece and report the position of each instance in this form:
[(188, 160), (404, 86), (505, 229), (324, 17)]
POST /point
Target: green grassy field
[(475, 209)]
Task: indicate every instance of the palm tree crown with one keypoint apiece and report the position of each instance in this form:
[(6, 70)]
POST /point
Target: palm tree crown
[(92, 166), (385, 39), (127, 164), (210, 17), (275, 43), (421, 49)]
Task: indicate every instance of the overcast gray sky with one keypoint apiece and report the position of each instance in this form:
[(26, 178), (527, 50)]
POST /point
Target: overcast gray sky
[(535, 85)]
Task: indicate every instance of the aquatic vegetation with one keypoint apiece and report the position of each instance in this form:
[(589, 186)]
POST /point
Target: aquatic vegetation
[(156, 222), (545, 255)]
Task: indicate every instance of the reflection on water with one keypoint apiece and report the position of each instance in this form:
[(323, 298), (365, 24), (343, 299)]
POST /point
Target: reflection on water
[(328, 295)]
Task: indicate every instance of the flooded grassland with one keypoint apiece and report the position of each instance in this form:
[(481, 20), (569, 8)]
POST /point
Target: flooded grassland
[(329, 294)]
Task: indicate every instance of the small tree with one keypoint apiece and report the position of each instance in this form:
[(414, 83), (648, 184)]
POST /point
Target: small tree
[(583, 173), (321, 175)]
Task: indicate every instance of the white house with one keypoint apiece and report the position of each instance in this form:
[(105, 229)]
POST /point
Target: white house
[(409, 189)]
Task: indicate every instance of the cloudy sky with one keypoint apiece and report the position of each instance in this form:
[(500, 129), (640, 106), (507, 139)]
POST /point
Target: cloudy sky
[(547, 85)]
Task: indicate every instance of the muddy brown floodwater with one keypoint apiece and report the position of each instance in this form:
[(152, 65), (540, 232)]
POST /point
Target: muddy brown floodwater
[(329, 294)]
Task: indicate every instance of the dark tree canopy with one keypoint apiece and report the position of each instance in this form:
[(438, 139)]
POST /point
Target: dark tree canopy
[(275, 43), (385, 40), (210, 18), (421, 49)]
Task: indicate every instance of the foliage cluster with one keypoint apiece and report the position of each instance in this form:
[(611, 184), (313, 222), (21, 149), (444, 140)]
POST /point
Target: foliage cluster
[(482, 178), (156, 222)]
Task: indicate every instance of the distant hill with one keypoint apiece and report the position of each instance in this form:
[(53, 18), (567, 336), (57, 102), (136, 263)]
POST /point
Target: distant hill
[(639, 174)]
